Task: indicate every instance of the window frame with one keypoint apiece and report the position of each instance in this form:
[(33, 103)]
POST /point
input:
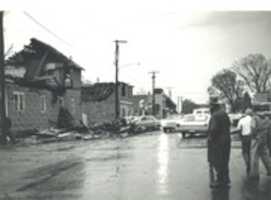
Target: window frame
[(19, 101), (43, 103)]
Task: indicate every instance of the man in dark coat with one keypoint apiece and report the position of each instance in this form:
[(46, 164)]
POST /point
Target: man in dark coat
[(219, 144)]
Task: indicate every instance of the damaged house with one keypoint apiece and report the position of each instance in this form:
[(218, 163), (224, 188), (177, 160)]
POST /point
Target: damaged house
[(40, 80), (98, 101)]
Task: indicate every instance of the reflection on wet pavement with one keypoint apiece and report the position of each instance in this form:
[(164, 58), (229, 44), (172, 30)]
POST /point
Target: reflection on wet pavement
[(254, 189), (163, 159), (220, 194), (149, 167), (52, 182)]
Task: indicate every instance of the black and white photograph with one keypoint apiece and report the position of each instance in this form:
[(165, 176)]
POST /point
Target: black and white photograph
[(135, 100)]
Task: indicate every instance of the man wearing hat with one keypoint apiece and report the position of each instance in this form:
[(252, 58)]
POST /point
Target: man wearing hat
[(219, 143)]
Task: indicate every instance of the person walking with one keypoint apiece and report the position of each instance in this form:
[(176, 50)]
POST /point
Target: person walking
[(245, 127), (219, 144), (259, 145)]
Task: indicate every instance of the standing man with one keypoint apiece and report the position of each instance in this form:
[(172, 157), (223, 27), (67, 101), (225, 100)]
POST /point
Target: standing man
[(259, 146), (245, 126), (219, 143)]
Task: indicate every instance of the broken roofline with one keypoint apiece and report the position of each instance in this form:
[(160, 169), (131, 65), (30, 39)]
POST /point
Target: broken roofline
[(99, 91), (86, 85), (35, 43)]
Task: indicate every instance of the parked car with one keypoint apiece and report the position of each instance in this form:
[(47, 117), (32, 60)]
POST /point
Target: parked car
[(169, 124), (130, 119), (147, 122), (193, 124)]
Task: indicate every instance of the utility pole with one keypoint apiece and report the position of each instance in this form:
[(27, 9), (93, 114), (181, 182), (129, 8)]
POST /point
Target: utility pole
[(2, 79), (117, 104), (153, 88)]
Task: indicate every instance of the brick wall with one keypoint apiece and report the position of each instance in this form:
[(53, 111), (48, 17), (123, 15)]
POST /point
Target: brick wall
[(104, 111), (72, 101), (32, 116), (100, 111)]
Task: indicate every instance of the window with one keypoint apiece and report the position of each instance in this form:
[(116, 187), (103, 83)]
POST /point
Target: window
[(43, 104), (19, 101)]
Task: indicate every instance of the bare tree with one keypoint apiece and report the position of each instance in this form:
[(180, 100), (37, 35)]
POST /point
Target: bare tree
[(255, 70), (229, 86)]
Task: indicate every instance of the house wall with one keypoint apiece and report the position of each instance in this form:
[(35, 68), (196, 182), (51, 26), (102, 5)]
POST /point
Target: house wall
[(72, 101), (159, 101), (76, 78), (99, 111), (32, 115), (146, 105), (104, 111)]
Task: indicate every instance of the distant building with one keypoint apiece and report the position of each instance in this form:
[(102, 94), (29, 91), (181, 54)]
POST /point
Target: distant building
[(142, 104), (39, 80), (163, 104), (262, 101), (98, 101)]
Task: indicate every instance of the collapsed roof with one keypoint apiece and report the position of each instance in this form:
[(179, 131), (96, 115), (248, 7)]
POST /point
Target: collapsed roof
[(37, 49)]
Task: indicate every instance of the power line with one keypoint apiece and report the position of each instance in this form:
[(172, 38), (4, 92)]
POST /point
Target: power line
[(45, 28)]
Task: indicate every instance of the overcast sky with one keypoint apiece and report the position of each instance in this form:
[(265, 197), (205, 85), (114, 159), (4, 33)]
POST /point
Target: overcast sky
[(187, 47)]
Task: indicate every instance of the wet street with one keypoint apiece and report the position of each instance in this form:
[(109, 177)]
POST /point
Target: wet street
[(151, 166)]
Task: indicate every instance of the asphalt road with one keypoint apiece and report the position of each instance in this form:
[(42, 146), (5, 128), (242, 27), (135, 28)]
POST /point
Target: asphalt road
[(152, 166)]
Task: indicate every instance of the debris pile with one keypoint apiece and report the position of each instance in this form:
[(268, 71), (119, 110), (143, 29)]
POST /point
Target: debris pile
[(113, 129)]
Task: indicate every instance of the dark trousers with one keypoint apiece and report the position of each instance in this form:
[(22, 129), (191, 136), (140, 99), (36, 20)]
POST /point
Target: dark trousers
[(246, 146), (221, 161)]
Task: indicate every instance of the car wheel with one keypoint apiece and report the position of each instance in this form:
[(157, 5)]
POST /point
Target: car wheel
[(165, 130)]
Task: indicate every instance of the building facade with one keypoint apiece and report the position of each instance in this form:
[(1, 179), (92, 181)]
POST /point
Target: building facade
[(98, 101), (164, 106), (39, 81)]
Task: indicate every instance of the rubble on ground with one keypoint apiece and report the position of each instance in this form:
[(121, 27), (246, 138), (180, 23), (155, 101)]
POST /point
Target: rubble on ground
[(116, 128)]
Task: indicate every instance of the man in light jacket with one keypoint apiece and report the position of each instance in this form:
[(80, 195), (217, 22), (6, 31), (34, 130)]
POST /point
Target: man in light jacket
[(245, 126)]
